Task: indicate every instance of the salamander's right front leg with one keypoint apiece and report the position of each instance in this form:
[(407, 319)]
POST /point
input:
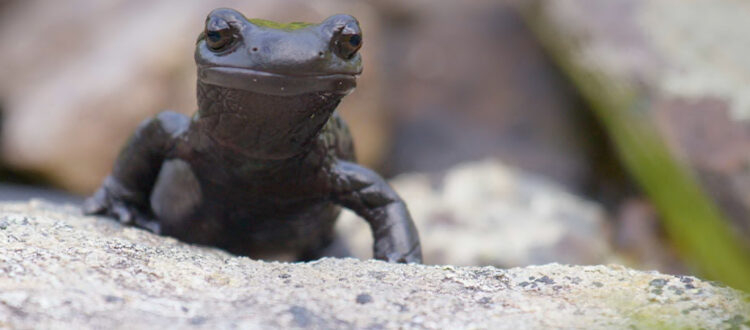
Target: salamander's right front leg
[(124, 194)]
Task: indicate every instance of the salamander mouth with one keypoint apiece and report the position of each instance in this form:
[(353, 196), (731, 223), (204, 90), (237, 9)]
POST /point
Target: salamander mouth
[(275, 83)]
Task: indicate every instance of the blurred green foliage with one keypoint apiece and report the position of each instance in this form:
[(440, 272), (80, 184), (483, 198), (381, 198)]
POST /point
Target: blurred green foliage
[(693, 222)]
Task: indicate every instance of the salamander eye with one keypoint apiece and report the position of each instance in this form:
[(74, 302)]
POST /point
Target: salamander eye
[(346, 44), (219, 34)]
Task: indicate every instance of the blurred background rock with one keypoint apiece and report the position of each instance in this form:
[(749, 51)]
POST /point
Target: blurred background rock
[(445, 83)]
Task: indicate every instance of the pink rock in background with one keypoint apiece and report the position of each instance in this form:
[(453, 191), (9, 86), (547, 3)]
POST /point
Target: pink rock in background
[(81, 75)]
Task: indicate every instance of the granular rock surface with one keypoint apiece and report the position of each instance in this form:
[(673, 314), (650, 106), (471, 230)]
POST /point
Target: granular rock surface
[(59, 269)]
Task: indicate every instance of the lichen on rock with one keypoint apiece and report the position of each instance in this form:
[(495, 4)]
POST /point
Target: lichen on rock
[(58, 268)]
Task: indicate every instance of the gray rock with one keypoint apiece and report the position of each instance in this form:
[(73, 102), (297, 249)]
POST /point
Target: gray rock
[(466, 80), (486, 213), (62, 270)]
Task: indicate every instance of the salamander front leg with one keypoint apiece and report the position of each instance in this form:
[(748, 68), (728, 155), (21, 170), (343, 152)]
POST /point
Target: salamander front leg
[(366, 193), (124, 194)]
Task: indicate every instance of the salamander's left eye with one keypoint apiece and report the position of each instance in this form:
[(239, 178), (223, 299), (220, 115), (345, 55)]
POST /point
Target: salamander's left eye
[(346, 44), (219, 34)]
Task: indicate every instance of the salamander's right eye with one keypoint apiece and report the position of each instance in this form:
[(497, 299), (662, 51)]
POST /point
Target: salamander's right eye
[(219, 34)]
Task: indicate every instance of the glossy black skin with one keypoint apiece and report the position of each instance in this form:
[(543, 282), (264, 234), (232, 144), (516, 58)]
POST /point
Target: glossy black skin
[(265, 164)]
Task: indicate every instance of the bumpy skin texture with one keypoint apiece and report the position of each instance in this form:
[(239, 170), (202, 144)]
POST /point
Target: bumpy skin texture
[(265, 164)]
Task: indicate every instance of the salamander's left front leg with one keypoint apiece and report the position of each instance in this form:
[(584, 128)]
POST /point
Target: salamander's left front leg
[(366, 193)]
